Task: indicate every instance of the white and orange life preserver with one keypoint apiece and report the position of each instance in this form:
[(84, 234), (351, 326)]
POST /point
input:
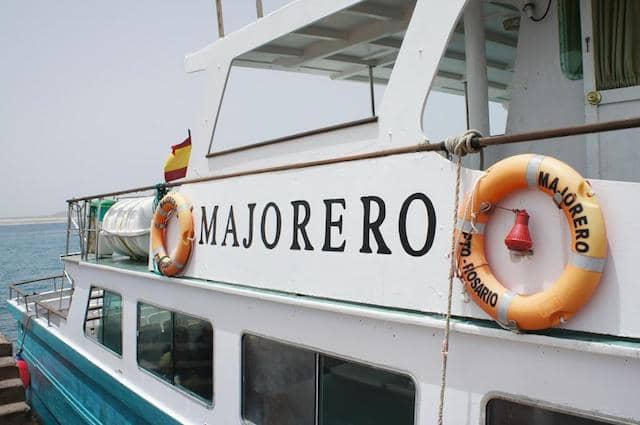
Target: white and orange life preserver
[(573, 194), (172, 203)]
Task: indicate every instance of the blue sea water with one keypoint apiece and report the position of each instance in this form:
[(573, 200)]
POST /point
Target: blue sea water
[(28, 251)]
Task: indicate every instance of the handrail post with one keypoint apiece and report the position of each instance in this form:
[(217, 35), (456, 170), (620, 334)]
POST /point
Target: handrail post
[(97, 227), (259, 9), (220, 19), (66, 251)]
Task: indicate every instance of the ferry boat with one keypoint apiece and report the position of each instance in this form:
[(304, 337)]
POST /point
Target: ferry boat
[(357, 273)]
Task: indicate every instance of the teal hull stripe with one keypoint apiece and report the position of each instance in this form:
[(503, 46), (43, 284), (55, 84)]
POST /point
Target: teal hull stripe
[(74, 390)]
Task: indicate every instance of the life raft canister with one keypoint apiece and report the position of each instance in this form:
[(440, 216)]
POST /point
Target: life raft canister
[(172, 203), (573, 194)]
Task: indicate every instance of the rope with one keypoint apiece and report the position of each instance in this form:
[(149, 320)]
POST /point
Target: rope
[(24, 334), (161, 190), (462, 145), (459, 146), (544, 15)]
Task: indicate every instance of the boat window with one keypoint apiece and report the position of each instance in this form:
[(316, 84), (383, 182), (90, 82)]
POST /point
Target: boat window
[(283, 384), (177, 348), (357, 394), (570, 38), (103, 320), (616, 43), (327, 75), (279, 383), (506, 412)]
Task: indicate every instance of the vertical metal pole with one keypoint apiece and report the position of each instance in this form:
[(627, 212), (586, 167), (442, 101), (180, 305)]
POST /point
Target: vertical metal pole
[(259, 10), (220, 19), (97, 227), (372, 94), (66, 250), (85, 232), (466, 105), (466, 102), (476, 65)]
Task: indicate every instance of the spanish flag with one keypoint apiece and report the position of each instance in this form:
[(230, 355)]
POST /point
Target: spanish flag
[(178, 161)]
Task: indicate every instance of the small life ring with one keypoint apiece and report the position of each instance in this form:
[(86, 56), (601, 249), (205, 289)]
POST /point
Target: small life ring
[(172, 203), (573, 194)]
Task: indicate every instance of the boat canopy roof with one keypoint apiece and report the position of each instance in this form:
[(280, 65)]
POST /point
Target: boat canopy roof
[(366, 37)]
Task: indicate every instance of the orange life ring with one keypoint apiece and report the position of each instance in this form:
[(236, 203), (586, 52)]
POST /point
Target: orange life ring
[(172, 203), (573, 194)]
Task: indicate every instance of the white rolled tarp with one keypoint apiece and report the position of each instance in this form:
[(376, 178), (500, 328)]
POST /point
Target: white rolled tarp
[(126, 227)]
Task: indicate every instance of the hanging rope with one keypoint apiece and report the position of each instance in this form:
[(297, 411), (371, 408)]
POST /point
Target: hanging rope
[(24, 334), (459, 146)]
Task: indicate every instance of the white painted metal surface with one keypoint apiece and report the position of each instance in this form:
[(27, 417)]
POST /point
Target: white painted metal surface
[(482, 361)]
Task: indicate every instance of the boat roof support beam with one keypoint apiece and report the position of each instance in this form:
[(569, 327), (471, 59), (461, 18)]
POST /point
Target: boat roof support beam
[(490, 36), (279, 50), (375, 11), (382, 61), (322, 33), (369, 32)]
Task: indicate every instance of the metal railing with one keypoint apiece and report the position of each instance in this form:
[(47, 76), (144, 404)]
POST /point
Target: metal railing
[(50, 294), (88, 231), (85, 222), (220, 15)]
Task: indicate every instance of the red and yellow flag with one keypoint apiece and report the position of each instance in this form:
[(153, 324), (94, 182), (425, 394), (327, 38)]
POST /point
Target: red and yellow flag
[(178, 161)]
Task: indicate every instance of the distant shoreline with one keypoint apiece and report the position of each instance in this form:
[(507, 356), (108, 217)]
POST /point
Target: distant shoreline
[(31, 220)]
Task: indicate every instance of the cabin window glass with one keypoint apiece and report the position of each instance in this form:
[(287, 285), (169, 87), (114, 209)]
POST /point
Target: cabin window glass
[(177, 348), (352, 393), (331, 73), (507, 412), (283, 384), (570, 38), (616, 43), (103, 321), (279, 383)]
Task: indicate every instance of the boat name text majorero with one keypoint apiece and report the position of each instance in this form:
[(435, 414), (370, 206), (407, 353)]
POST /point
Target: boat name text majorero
[(271, 225)]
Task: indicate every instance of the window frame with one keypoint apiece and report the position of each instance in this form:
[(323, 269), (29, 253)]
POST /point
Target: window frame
[(86, 313), (317, 353), (291, 137), (373, 118), (209, 404), (541, 404)]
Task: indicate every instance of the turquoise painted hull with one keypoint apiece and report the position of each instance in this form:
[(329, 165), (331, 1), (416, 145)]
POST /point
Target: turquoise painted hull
[(68, 389)]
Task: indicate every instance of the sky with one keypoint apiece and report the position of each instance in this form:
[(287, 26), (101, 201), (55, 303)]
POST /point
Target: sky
[(94, 93)]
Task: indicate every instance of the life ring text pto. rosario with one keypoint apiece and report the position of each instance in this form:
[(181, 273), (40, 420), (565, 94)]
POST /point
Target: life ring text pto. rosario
[(573, 194)]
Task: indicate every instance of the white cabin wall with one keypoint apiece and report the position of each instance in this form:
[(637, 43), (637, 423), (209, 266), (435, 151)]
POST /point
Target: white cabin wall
[(542, 97), (482, 362), (618, 150)]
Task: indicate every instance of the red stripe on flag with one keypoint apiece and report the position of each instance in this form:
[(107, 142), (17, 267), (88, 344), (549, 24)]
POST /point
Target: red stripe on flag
[(175, 174), (184, 144)]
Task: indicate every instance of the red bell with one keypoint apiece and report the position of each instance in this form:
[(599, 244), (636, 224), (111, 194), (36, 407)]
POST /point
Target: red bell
[(519, 238)]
